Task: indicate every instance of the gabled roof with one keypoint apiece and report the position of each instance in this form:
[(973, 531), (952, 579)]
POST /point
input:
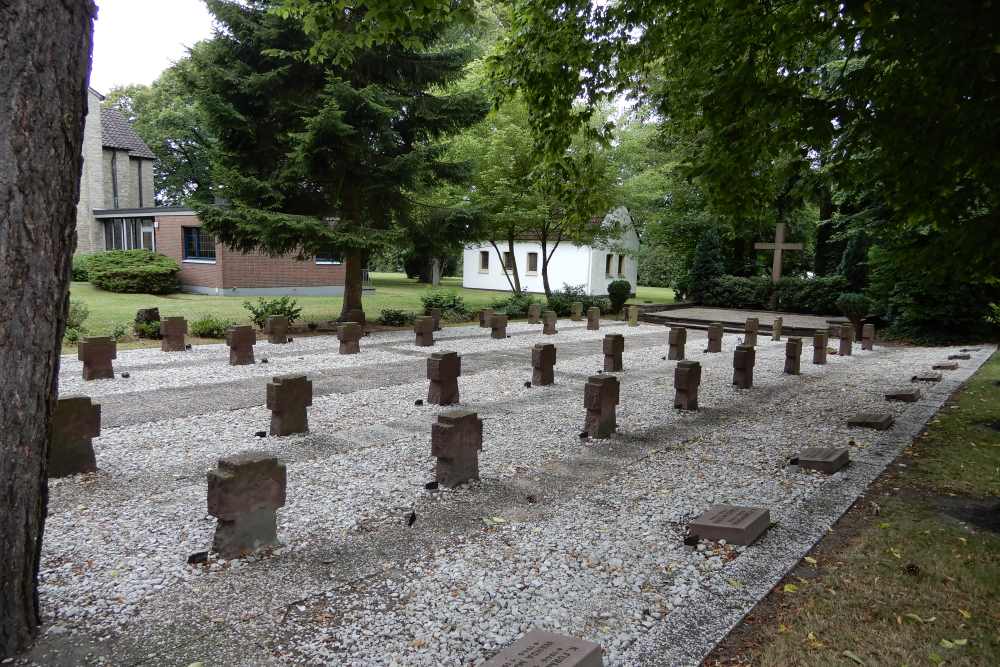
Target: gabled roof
[(117, 133)]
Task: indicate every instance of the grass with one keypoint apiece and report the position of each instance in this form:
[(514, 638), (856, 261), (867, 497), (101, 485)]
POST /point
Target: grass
[(392, 290), (912, 575)]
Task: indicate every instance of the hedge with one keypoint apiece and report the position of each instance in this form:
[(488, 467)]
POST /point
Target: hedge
[(133, 272), (793, 295)]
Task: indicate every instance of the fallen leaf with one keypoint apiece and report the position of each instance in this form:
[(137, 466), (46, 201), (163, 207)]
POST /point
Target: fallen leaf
[(810, 560), (946, 644), (791, 588), (884, 525), (959, 642), (853, 656), (965, 613), (782, 628)]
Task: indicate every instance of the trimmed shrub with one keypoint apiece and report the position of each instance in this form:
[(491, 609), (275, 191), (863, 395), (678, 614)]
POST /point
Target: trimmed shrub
[(284, 306), (810, 295), (133, 272), (447, 301), (738, 292), (516, 305), (391, 317), (72, 336), (855, 307), (77, 315), (562, 301), (80, 271), (149, 330), (209, 326), (619, 292)]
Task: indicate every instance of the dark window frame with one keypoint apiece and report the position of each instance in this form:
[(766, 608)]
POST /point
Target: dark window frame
[(484, 261), (199, 242)]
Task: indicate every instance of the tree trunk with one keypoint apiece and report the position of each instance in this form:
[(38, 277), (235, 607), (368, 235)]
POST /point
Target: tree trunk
[(353, 279), (517, 279), (45, 58), (435, 272), (502, 266)]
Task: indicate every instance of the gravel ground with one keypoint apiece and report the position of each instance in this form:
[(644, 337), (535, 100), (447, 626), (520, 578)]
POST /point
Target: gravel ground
[(577, 536)]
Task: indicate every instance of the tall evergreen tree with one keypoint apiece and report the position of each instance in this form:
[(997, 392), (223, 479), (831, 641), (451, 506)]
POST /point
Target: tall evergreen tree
[(318, 156), (706, 266)]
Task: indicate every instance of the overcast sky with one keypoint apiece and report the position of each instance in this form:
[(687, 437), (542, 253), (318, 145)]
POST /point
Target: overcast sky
[(135, 40)]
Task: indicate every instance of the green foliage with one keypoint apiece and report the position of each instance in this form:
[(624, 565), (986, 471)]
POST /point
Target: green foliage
[(118, 330), (854, 306), (657, 266), (447, 300), (515, 305), (72, 335), (562, 301), (77, 315), (619, 292), (133, 272), (706, 267), (810, 295), (150, 330), (209, 326), (282, 306), (738, 292), (391, 317), (79, 271), (854, 263)]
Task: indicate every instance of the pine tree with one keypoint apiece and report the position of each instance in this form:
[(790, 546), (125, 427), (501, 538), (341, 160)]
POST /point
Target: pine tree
[(318, 156), (854, 263), (706, 266)]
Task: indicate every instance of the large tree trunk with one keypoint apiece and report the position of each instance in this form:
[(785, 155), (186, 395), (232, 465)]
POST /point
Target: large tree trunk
[(45, 62), (353, 282), (513, 270)]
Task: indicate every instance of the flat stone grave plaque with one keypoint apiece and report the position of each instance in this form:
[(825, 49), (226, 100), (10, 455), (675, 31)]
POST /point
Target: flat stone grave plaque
[(734, 524), (926, 376), (904, 395), (960, 356), (876, 420), (538, 648), (824, 459), (972, 349), (945, 366)]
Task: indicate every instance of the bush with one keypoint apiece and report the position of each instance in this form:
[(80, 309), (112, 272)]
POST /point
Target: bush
[(133, 272), (72, 335), (118, 330), (854, 263), (149, 330), (516, 305), (738, 292), (658, 267), (810, 295), (77, 315), (855, 307), (391, 317), (619, 292), (209, 326), (562, 301), (284, 306), (449, 302), (80, 271)]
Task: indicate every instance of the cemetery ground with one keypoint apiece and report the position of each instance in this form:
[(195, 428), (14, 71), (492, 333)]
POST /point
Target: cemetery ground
[(911, 574), (580, 536)]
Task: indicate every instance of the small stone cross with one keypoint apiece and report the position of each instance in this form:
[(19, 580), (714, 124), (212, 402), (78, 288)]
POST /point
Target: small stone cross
[(456, 440), (288, 396), (443, 370), (687, 378), (600, 396), (96, 355), (614, 345), (276, 328), (241, 340), (543, 360)]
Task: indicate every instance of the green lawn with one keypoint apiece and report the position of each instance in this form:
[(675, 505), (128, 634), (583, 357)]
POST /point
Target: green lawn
[(392, 290)]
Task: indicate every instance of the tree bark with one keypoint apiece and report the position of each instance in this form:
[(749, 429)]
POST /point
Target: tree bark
[(502, 265), (45, 59), (353, 282), (513, 270)]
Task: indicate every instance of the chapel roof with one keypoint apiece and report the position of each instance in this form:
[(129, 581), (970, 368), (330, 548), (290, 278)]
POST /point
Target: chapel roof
[(116, 132)]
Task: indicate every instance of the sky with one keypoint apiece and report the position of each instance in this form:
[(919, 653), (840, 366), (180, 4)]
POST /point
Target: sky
[(135, 40)]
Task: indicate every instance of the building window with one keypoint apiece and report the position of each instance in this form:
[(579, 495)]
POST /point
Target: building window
[(139, 167), (508, 261), (621, 265), (532, 262), (484, 261), (129, 234), (607, 264), (330, 256), (114, 180), (198, 244)]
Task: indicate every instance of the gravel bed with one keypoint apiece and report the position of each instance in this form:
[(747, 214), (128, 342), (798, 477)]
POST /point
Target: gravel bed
[(576, 536)]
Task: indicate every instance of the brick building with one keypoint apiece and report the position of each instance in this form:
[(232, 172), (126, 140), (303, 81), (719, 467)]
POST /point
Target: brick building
[(117, 211)]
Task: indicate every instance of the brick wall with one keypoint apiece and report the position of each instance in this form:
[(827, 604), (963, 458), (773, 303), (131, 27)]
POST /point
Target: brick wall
[(241, 271)]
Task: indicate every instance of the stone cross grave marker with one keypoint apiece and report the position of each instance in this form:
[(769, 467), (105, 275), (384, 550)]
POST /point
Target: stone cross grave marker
[(824, 459), (240, 340), (750, 331), (819, 347), (576, 311), (549, 322), (349, 334), (846, 340), (632, 312), (288, 397), (243, 494), (868, 337), (545, 649), (744, 359), (543, 361), (498, 327), (776, 328), (687, 378), (779, 246), (443, 370), (926, 376), (484, 318), (456, 440), (793, 356), (614, 345), (732, 523), (879, 421), (435, 314), (276, 328), (96, 354), (715, 333), (904, 395), (676, 340), (593, 318), (945, 366), (534, 313), (75, 423), (172, 330), (600, 396), (423, 327)]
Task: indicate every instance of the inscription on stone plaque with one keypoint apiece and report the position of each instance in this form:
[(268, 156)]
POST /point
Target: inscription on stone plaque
[(732, 523), (824, 459), (546, 649), (877, 421)]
